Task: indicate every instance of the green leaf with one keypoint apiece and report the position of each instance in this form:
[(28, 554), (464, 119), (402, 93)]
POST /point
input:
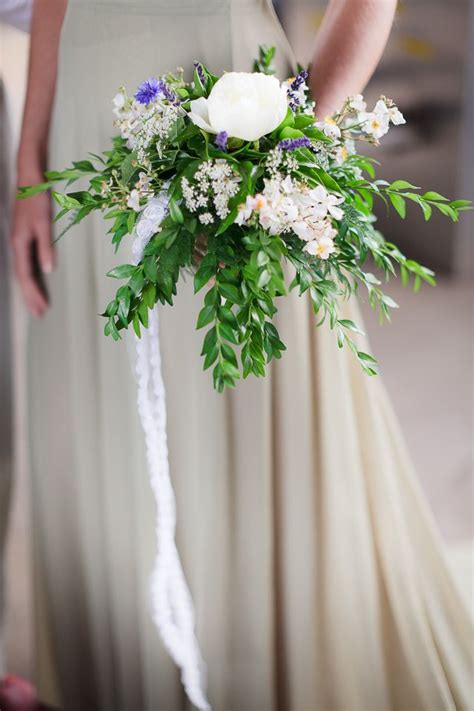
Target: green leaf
[(124, 298), (203, 275), (230, 369), (85, 166), (131, 221), (122, 272), (149, 295), (303, 121), (65, 201), (289, 132), (127, 168), (110, 329), (347, 323), (136, 325), (175, 212), (366, 357), (136, 282), (388, 301), (427, 210), (211, 357), (402, 185), (210, 341), (264, 279), (212, 297), (143, 313), (27, 191), (199, 87), (459, 204), (150, 267), (262, 258), (448, 211), (226, 331), (206, 315), (432, 195), (230, 292), (399, 204)]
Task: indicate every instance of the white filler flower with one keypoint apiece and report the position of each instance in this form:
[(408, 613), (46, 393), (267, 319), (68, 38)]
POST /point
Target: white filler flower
[(244, 105)]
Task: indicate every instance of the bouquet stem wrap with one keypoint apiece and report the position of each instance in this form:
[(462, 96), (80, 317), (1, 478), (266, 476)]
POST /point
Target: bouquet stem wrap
[(172, 606)]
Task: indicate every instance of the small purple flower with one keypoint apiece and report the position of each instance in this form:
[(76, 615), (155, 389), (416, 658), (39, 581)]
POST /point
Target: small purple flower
[(299, 80), (148, 90), (221, 140), (296, 92), (200, 73), (168, 94), (292, 144)]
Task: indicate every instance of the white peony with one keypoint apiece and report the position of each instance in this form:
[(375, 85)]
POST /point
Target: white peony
[(244, 105)]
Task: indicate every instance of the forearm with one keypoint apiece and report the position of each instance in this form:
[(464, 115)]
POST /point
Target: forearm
[(349, 45), (46, 25)]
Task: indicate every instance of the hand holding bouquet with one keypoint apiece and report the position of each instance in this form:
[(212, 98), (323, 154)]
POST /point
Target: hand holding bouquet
[(234, 178)]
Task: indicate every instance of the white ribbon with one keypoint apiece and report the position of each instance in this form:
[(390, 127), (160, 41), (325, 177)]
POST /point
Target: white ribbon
[(172, 606)]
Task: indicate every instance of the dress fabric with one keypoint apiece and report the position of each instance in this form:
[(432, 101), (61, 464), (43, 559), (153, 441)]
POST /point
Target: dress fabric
[(317, 574)]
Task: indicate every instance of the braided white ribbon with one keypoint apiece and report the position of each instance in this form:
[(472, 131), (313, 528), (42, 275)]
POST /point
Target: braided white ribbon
[(172, 606)]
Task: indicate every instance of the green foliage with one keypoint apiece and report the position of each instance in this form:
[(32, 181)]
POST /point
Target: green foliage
[(264, 63)]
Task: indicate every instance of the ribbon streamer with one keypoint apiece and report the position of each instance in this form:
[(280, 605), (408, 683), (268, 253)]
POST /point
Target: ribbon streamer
[(172, 606)]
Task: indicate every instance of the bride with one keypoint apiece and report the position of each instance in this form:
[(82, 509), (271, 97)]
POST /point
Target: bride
[(318, 576)]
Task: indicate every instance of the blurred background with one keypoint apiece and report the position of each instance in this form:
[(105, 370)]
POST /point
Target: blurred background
[(427, 351)]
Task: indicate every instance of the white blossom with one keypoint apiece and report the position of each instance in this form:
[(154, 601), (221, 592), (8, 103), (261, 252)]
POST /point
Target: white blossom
[(325, 203), (321, 248), (377, 122), (357, 103), (206, 218), (133, 200), (213, 185), (287, 205), (329, 127)]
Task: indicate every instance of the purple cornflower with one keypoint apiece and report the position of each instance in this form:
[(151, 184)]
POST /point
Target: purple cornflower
[(292, 144), (148, 90), (200, 73), (221, 140)]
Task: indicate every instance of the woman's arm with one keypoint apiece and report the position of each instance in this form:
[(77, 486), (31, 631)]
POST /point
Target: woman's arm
[(31, 233), (348, 48)]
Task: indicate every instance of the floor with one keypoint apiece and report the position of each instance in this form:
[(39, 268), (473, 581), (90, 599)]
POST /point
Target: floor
[(426, 354)]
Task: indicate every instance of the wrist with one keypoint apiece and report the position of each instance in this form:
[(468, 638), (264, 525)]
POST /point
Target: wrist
[(31, 163), (30, 169)]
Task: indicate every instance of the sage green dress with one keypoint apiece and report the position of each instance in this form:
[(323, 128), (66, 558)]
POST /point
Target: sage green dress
[(318, 578)]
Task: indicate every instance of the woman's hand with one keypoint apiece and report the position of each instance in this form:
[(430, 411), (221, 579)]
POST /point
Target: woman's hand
[(31, 233), (33, 251)]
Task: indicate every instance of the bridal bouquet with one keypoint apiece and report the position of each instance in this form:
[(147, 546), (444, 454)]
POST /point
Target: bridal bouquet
[(234, 179)]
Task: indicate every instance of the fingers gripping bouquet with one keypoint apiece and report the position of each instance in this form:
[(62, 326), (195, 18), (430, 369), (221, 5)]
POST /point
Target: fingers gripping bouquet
[(233, 177)]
